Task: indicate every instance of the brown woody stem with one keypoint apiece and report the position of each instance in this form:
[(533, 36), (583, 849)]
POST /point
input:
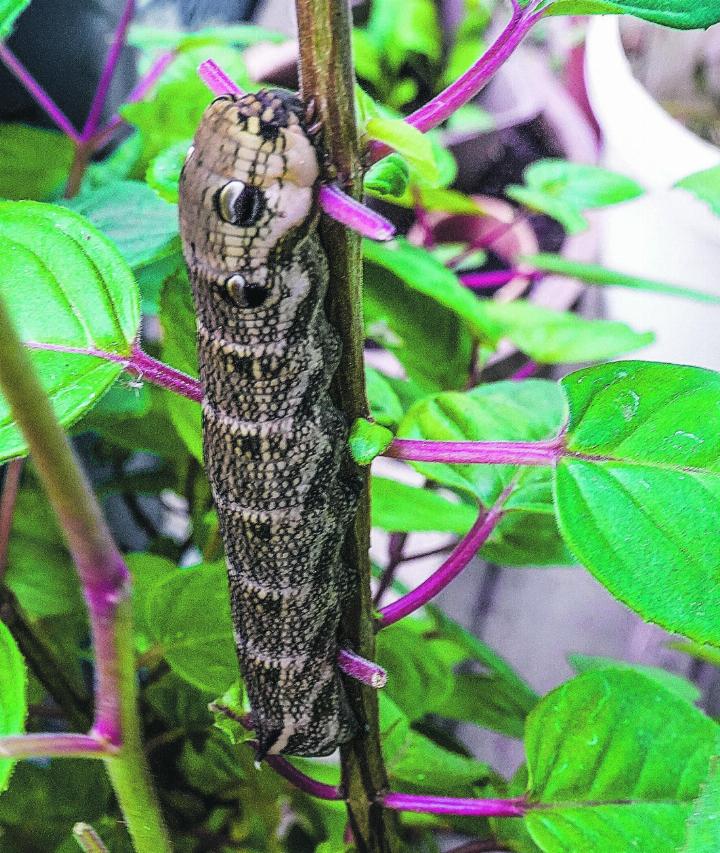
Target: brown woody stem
[(326, 76)]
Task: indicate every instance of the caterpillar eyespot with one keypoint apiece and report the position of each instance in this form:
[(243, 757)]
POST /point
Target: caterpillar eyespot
[(274, 444), (240, 204)]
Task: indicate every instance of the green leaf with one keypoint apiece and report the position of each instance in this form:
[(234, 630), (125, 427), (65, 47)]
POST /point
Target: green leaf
[(242, 35), (501, 411), (595, 274), (679, 14), (675, 683), (564, 190), (368, 440), (638, 492), (13, 702), (401, 28), (142, 226), (385, 405), (163, 173), (615, 760), (706, 186), (177, 316), (66, 286), (34, 162), (121, 165), (9, 12), (549, 337), (429, 340), (413, 760), (188, 615), (403, 509), (147, 571), (703, 832), (408, 141)]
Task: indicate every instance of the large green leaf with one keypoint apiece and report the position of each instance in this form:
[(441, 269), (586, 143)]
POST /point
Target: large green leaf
[(615, 762), (502, 411), (9, 11), (385, 405), (680, 14), (188, 616), (596, 274), (547, 336), (34, 162), (564, 190), (638, 490), (71, 295), (13, 703), (142, 226)]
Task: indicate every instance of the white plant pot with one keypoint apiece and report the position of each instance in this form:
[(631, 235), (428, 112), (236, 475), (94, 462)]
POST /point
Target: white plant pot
[(667, 234)]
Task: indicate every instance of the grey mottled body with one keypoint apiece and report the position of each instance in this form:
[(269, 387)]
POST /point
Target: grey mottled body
[(273, 441)]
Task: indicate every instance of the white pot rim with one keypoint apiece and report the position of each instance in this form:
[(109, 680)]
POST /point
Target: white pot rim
[(658, 149)]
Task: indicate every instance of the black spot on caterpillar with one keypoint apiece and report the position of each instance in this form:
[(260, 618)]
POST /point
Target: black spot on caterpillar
[(273, 441)]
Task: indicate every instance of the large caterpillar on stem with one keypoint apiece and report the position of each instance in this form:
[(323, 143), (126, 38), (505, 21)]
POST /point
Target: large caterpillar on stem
[(273, 440)]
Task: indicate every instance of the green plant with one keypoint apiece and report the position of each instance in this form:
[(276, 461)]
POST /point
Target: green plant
[(616, 466)]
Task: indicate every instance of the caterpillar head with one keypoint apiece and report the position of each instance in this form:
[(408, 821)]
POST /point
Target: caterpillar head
[(247, 192)]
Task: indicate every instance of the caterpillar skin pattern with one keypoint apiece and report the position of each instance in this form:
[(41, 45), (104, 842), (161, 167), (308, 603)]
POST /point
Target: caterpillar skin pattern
[(273, 441)]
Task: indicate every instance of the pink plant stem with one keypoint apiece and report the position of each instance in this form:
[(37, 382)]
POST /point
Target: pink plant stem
[(528, 369), (470, 807), (54, 744), (365, 671), (494, 278), (165, 376), (467, 86), (217, 80), (354, 214), (113, 57), (20, 72), (461, 555), (477, 452), (310, 786), (103, 136)]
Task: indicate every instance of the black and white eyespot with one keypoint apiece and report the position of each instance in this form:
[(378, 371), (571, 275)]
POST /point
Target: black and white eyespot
[(240, 204), (247, 294)]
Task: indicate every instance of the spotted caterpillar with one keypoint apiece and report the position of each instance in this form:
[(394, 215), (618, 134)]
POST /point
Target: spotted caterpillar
[(273, 440)]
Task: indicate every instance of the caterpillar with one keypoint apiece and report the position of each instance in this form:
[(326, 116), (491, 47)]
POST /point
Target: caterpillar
[(273, 441)]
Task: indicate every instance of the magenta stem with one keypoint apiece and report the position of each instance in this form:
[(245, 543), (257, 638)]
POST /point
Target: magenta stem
[(20, 72), (55, 744), (467, 807), (144, 85), (365, 671), (217, 80), (528, 369), (163, 375), (494, 278), (476, 452), (459, 557), (469, 84), (354, 214), (108, 72), (311, 786)]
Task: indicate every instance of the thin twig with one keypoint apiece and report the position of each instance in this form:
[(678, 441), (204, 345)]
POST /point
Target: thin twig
[(10, 485)]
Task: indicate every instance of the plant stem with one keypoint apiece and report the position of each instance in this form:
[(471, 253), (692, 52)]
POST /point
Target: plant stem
[(470, 807), (310, 786), (31, 85), (461, 555), (366, 671), (477, 452), (326, 75), (163, 375), (105, 581), (108, 72), (55, 744), (10, 485)]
